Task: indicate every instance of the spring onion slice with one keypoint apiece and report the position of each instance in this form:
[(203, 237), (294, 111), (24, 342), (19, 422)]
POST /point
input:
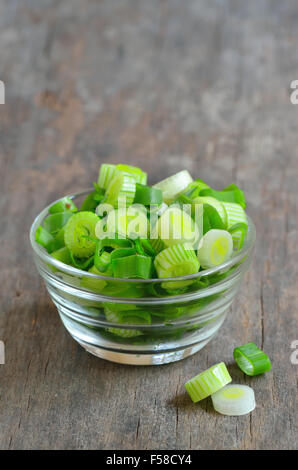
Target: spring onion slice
[(122, 253), (64, 205), (230, 194), (62, 255), (176, 226), (174, 185), (131, 222), (157, 210), (127, 313), (177, 260), (45, 239), (139, 175), (194, 189), (93, 284), (218, 205), (112, 241), (251, 360), (53, 223), (59, 239), (234, 400), (102, 260), (235, 215), (208, 382), (79, 235), (132, 267), (81, 263), (144, 247), (93, 199), (211, 219), (114, 317), (216, 248), (238, 232), (146, 195), (121, 190), (106, 174), (157, 244)]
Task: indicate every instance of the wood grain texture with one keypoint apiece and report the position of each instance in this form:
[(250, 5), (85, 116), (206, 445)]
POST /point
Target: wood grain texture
[(167, 85)]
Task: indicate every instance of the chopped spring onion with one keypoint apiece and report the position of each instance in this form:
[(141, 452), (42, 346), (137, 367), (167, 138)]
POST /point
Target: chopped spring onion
[(235, 215), (146, 195), (230, 194), (131, 222), (93, 199), (114, 242), (102, 261), (81, 263), (238, 232), (106, 174), (125, 227), (238, 196), (176, 226), (53, 223), (211, 219), (114, 317), (144, 247), (132, 267), (139, 175), (251, 360), (121, 190), (177, 260), (79, 235), (174, 185), (208, 382), (234, 400), (216, 248), (64, 205), (129, 313), (219, 206), (122, 253), (95, 285), (194, 189), (157, 244), (157, 211), (59, 239), (45, 239), (62, 255)]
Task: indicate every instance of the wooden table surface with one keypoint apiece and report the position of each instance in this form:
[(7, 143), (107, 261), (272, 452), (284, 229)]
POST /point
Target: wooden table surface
[(166, 85)]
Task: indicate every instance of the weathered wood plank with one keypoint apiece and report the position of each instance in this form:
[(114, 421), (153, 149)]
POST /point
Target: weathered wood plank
[(167, 85)]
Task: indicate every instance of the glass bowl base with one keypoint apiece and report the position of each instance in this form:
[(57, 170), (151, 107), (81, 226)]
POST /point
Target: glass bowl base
[(144, 359)]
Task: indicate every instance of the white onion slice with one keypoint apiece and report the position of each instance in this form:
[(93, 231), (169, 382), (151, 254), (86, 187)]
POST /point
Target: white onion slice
[(216, 247), (234, 400), (174, 185)]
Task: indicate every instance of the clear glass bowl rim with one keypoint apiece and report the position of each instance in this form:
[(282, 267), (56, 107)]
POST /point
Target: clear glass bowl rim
[(41, 252)]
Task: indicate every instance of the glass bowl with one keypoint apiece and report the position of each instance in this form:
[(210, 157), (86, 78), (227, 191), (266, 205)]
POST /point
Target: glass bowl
[(136, 321)]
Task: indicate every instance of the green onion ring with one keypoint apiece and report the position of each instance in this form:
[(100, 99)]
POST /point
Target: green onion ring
[(208, 382), (132, 267), (53, 223), (251, 360), (146, 195), (64, 205), (122, 253)]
